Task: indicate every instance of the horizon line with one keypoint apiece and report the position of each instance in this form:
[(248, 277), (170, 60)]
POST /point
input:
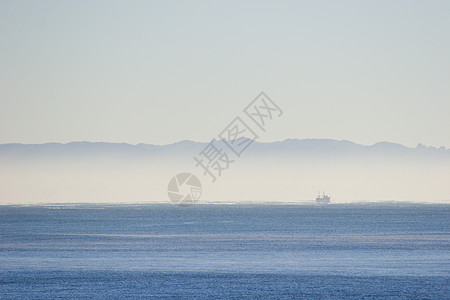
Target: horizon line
[(301, 203)]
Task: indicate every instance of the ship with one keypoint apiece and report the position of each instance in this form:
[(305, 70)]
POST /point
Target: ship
[(323, 200)]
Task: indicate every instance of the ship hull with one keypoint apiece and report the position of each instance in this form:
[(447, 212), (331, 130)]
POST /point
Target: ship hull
[(323, 201)]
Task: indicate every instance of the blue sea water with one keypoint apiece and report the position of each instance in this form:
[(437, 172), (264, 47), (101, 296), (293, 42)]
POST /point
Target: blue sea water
[(357, 251)]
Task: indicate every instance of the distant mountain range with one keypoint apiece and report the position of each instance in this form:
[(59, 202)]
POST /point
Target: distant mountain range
[(292, 170), (291, 147)]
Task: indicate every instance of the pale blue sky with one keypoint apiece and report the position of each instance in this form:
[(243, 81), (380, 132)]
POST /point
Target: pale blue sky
[(163, 71)]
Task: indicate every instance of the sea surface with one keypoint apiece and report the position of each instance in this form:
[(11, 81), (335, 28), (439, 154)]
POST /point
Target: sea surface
[(353, 251)]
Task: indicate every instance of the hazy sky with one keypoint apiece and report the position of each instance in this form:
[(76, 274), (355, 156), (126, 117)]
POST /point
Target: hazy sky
[(163, 71)]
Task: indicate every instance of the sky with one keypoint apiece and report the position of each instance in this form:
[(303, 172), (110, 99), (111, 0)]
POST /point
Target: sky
[(159, 72)]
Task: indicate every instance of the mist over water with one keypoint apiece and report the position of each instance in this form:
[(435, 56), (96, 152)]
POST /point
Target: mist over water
[(289, 171)]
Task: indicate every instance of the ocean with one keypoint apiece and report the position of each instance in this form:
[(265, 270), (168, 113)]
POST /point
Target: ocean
[(157, 251)]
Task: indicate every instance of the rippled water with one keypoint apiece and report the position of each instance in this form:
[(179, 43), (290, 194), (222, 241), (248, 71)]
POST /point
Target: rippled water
[(225, 251)]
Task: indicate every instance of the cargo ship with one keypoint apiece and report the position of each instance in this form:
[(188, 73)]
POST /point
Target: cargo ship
[(322, 200)]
